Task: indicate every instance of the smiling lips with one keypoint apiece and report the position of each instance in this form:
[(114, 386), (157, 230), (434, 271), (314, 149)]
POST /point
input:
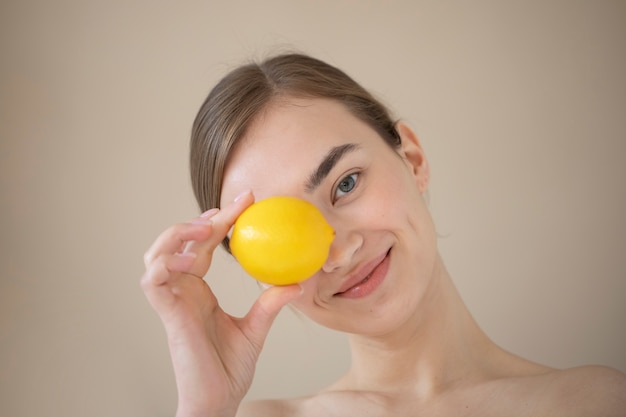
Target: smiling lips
[(367, 279)]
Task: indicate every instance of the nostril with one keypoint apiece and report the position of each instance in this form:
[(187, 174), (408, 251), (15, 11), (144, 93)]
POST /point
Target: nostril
[(341, 251), (329, 265)]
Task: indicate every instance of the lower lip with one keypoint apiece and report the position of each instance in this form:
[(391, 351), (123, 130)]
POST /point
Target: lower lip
[(369, 285)]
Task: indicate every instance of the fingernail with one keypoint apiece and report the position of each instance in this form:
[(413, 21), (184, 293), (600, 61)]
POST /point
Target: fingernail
[(242, 194), (202, 220), (264, 285), (210, 212)]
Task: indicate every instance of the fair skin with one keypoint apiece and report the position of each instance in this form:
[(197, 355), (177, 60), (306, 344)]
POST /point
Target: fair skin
[(416, 350)]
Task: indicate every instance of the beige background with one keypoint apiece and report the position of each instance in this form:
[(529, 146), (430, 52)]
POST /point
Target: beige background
[(521, 106)]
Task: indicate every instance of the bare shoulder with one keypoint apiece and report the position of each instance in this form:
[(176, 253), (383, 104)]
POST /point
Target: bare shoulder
[(261, 408), (583, 391), (594, 380), (598, 390), (267, 408), (325, 403)]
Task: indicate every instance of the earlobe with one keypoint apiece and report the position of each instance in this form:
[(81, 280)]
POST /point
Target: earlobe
[(413, 154)]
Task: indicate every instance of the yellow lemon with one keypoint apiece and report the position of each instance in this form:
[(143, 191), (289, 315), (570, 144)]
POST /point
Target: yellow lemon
[(281, 240)]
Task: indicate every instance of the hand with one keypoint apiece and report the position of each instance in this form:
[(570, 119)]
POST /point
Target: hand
[(214, 354)]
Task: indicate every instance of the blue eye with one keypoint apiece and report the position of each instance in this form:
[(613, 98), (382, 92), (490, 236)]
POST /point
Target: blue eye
[(346, 185)]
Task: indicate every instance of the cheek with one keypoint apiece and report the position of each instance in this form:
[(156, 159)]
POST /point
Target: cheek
[(388, 202), (306, 301), (312, 304)]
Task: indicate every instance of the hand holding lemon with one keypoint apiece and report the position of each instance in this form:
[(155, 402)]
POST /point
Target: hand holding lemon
[(281, 240)]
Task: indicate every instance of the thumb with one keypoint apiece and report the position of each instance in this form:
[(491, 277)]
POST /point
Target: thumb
[(259, 319)]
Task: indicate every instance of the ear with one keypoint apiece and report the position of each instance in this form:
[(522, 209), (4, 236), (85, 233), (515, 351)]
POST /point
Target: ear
[(412, 153)]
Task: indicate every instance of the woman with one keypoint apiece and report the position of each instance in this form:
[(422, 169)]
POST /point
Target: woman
[(294, 125)]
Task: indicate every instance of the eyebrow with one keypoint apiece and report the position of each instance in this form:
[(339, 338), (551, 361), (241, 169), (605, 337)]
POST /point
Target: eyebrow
[(328, 163)]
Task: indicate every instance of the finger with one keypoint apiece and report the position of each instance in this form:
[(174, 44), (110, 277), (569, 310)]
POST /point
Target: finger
[(166, 279), (259, 319), (175, 237), (221, 223), (162, 271), (209, 213), (223, 220), (154, 282)]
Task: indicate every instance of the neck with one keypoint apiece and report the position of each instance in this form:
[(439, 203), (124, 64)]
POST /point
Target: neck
[(439, 345)]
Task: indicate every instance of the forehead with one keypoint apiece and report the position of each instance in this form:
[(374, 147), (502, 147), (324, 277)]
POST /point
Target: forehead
[(287, 142)]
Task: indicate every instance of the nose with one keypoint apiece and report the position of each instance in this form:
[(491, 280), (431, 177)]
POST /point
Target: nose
[(344, 247)]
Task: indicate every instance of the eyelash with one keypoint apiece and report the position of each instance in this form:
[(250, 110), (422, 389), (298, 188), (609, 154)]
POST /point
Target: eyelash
[(354, 178)]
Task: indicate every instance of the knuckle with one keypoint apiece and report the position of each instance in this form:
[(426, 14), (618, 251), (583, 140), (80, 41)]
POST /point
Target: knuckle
[(146, 281), (156, 273), (147, 258)]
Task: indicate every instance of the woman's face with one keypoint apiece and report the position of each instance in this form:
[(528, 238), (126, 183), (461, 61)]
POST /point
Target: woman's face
[(382, 258)]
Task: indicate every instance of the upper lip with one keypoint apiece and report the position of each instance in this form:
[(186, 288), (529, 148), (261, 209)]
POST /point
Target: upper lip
[(361, 273)]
